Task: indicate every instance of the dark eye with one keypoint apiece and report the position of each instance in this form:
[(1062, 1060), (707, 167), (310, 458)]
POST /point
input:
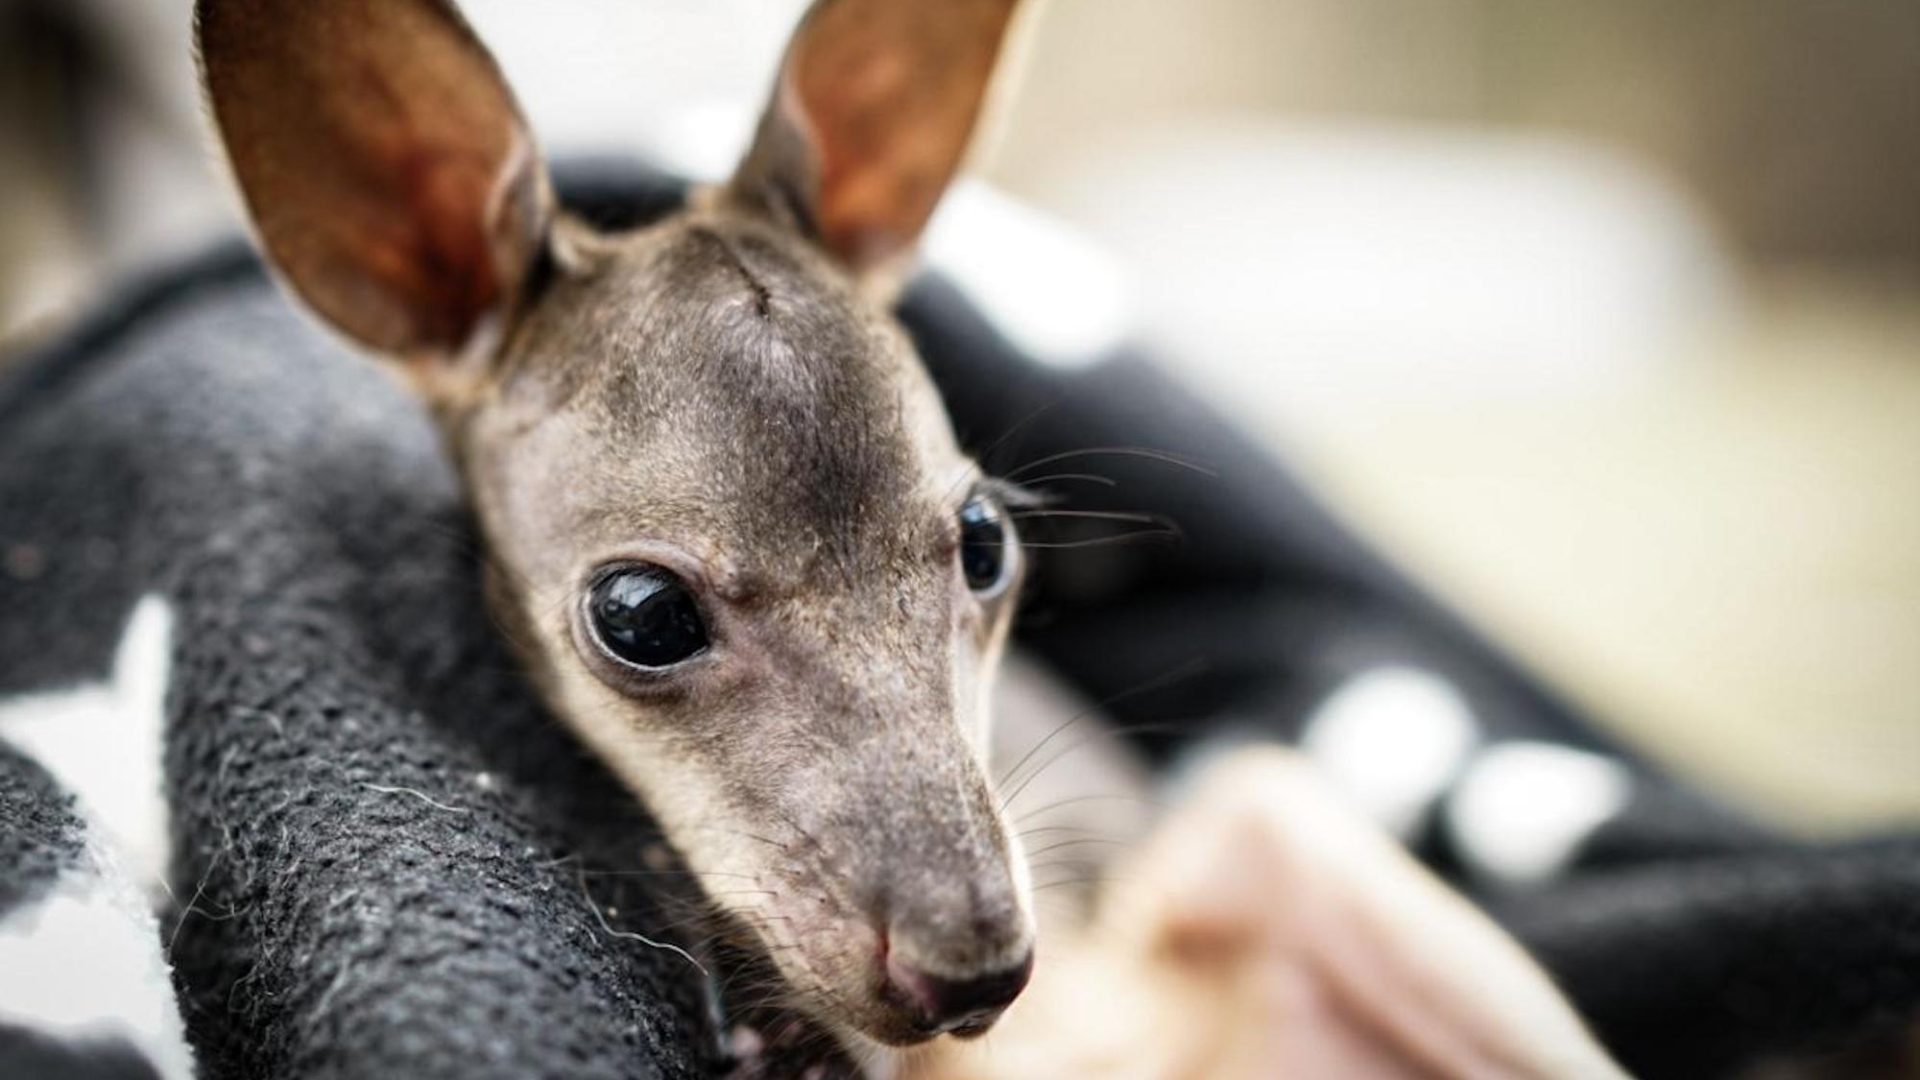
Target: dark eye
[(985, 555), (645, 616)]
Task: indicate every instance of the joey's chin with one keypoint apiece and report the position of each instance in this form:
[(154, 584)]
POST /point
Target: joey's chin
[(863, 1014), (913, 1032), (871, 1013), (893, 1025), (885, 1018)]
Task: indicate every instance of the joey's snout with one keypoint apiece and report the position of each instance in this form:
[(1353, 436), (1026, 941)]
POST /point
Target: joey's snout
[(954, 958), (963, 1006), (907, 905)]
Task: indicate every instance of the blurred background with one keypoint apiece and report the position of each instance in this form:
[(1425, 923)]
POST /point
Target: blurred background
[(1601, 315)]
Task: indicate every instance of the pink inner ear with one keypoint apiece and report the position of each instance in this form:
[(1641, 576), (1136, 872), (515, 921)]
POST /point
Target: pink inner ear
[(443, 259), (889, 93), (383, 159), (406, 264)]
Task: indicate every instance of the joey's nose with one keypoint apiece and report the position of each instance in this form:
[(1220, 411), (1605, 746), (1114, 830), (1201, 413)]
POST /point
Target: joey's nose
[(963, 1006)]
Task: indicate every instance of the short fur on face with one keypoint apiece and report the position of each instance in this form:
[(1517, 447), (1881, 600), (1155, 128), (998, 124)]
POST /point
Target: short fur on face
[(828, 750), (720, 394)]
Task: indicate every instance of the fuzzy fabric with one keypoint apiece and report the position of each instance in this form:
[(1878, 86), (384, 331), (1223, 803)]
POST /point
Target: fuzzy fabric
[(41, 837), (388, 862)]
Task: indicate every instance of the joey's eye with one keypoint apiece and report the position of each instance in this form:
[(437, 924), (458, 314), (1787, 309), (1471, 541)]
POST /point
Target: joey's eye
[(986, 556), (645, 616)]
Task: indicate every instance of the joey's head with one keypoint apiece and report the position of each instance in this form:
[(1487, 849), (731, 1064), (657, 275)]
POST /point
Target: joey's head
[(725, 510)]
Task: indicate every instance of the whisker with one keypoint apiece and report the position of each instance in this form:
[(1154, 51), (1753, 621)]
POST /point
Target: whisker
[(1038, 829), (1098, 881), (1018, 426), (1059, 804), (686, 873), (1115, 451), (1107, 732), (1091, 478), (1057, 845), (1093, 515), (775, 844), (1157, 683), (1096, 541)]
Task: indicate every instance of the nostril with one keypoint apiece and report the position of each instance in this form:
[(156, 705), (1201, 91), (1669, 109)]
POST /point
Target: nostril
[(965, 1005)]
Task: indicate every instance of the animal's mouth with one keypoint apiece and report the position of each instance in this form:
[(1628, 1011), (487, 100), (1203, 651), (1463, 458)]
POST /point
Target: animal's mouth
[(898, 1023), (912, 1029)]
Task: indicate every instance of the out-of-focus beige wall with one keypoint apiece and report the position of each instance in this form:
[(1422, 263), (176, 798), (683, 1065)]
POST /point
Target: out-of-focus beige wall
[(1709, 536), (1797, 122)]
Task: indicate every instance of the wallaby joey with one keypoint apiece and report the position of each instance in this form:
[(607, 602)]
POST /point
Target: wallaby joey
[(724, 509)]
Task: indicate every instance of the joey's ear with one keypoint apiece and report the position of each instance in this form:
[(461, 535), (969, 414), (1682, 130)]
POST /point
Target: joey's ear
[(873, 109), (384, 163)]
